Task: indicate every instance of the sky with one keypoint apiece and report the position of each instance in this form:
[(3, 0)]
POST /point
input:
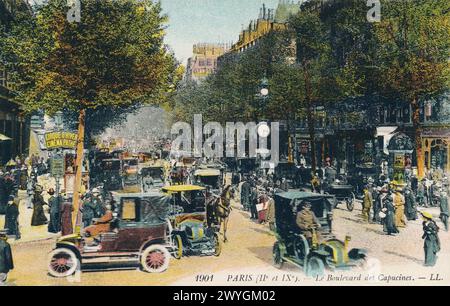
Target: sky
[(210, 21)]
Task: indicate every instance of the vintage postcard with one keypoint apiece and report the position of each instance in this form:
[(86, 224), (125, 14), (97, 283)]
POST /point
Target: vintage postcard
[(231, 143)]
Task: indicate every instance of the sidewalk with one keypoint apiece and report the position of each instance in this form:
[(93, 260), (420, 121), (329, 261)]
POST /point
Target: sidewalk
[(31, 233)]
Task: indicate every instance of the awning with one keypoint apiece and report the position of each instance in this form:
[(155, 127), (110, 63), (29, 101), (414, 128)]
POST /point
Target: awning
[(387, 132), (3, 137)]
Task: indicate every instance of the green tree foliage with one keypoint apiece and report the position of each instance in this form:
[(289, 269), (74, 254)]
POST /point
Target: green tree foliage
[(413, 53), (114, 57)]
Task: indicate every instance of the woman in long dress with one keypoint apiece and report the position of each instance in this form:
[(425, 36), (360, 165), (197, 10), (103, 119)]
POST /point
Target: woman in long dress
[(39, 217), (432, 244), (389, 220)]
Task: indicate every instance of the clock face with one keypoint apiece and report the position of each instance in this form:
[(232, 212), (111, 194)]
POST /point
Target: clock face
[(263, 130)]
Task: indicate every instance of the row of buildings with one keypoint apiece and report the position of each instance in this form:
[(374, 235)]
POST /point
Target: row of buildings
[(14, 124), (355, 132)]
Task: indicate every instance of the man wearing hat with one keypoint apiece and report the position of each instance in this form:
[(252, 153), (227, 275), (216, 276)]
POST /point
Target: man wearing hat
[(54, 226), (432, 244), (6, 259), (443, 205), (307, 221)]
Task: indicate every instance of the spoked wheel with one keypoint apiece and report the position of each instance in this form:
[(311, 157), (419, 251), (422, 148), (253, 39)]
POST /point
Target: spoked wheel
[(350, 201), (276, 256), (217, 245), (155, 259), (62, 263), (315, 267), (178, 247)]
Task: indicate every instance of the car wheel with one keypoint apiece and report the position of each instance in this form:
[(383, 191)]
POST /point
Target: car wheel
[(217, 246), (63, 263), (178, 247), (276, 256), (155, 259), (315, 267), (351, 202)]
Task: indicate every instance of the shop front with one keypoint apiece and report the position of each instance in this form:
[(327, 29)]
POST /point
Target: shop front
[(436, 148)]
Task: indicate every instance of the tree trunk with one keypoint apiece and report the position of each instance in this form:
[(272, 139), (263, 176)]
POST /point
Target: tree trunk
[(417, 137), (312, 136), (310, 117), (79, 170)]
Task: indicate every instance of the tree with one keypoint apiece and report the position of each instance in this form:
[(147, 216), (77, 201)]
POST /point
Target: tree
[(317, 69), (113, 58), (413, 55)]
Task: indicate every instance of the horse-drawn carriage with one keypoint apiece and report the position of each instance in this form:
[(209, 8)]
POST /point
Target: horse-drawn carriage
[(190, 231), (136, 235), (316, 248)]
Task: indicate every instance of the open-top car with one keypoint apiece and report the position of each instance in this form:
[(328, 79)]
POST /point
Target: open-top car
[(188, 228), (316, 248), (136, 234)]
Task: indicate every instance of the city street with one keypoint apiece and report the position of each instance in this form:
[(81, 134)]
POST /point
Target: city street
[(248, 254)]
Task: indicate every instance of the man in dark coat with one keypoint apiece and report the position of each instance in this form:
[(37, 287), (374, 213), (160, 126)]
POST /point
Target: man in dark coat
[(12, 216), (88, 210), (410, 205), (54, 203), (6, 259), (3, 195), (253, 202), (245, 194), (443, 205), (39, 217)]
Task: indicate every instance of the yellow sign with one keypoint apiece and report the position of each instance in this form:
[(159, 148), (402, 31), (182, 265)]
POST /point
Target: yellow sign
[(57, 140)]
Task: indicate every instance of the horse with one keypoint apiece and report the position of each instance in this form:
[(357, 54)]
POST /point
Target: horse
[(219, 209)]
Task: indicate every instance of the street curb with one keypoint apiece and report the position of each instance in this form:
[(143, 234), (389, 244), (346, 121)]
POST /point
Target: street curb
[(20, 242)]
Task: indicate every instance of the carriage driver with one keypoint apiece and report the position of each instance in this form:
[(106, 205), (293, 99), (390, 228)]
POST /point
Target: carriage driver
[(308, 222)]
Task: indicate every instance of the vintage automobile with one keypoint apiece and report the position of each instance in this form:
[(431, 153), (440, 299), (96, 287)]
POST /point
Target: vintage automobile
[(130, 171), (188, 226), (111, 170), (324, 250), (288, 171), (136, 235), (343, 193), (209, 177), (152, 177)]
